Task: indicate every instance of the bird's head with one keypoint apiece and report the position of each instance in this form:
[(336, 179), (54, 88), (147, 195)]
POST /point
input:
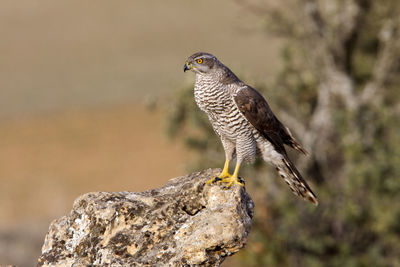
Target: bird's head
[(201, 63)]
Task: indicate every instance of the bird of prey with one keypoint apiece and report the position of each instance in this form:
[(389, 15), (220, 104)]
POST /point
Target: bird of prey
[(245, 123)]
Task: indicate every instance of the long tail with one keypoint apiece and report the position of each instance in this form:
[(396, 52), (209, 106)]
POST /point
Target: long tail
[(293, 178), (292, 142)]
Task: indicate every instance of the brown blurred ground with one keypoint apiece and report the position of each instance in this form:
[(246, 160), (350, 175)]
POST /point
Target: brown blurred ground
[(48, 161), (73, 79), (58, 157)]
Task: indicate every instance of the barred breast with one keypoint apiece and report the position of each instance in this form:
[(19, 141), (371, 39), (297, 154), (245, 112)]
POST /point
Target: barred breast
[(216, 100)]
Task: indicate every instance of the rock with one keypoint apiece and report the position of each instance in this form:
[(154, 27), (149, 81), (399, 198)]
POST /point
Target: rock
[(183, 223)]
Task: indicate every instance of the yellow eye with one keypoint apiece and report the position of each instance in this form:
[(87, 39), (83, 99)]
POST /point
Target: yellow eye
[(199, 61)]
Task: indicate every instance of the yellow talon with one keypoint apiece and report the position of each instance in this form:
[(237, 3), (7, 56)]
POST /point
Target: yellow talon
[(234, 179), (222, 175), (225, 177), (231, 181), (212, 180)]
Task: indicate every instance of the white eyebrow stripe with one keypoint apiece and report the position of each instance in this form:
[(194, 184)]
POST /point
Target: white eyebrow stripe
[(204, 56)]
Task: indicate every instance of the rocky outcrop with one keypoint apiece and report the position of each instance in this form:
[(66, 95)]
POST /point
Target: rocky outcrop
[(183, 223)]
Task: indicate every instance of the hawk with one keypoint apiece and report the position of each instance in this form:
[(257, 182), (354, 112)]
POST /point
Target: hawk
[(244, 122)]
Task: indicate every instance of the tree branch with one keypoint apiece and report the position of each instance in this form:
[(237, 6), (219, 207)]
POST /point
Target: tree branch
[(388, 57)]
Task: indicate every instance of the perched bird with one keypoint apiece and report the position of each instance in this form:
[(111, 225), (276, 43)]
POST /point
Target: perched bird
[(243, 120)]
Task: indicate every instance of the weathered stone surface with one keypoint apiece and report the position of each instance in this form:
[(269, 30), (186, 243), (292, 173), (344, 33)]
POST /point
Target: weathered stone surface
[(180, 224)]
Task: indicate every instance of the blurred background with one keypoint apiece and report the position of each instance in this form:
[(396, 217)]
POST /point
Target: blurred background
[(93, 97)]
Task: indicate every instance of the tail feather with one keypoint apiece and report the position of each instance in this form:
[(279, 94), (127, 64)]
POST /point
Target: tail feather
[(295, 145), (297, 184), (292, 142)]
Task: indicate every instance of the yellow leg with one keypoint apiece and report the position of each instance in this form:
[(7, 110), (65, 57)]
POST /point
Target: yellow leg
[(225, 171), (236, 172), (223, 174), (234, 179)]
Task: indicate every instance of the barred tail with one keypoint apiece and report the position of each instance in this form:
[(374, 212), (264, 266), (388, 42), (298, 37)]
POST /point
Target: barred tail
[(293, 178)]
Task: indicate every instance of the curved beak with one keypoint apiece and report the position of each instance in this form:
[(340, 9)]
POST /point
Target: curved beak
[(186, 66)]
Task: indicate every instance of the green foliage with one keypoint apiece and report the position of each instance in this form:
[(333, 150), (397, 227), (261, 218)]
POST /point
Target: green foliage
[(358, 220)]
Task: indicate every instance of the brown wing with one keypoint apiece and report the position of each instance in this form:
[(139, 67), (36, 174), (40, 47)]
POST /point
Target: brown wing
[(257, 111)]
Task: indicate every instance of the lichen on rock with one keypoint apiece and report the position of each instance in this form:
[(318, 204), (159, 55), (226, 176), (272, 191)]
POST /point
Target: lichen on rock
[(183, 223)]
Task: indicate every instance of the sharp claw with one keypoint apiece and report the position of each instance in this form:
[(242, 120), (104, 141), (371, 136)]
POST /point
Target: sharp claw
[(217, 179), (229, 181), (209, 181), (213, 180)]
